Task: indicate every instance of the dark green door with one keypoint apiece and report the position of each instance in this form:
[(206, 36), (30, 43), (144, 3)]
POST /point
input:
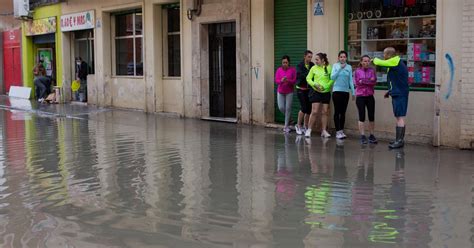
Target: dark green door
[(291, 40)]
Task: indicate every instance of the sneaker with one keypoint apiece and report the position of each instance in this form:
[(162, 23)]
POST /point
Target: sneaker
[(286, 130), (363, 140), (372, 139), (41, 100), (343, 134), (298, 140), (339, 135), (299, 131), (325, 134), (307, 133)]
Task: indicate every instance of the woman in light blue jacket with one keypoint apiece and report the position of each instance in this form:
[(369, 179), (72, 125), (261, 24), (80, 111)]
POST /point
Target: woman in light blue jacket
[(343, 87)]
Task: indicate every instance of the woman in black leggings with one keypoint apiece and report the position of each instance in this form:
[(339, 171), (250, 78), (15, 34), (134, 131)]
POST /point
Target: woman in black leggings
[(343, 88), (365, 80)]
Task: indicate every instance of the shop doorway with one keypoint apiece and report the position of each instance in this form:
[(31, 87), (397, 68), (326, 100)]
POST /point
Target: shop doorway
[(222, 70), (12, 59), (83, 50), (45, 54)]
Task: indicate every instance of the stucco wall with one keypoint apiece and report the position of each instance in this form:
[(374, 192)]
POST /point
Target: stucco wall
[(447, 123), (172, 96), (467, 100), (262, 39), (7, 21)]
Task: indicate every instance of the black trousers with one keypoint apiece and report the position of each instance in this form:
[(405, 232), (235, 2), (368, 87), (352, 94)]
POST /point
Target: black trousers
[(42, 87), (364, 102), (340, 100)]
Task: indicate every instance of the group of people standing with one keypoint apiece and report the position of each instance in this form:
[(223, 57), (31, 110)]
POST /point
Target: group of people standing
[(316, 83)]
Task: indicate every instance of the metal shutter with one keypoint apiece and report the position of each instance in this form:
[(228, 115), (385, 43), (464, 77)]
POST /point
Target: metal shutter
[(290, 39)]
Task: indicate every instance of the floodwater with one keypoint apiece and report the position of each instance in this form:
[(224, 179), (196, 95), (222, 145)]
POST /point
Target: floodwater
[(127, 179)]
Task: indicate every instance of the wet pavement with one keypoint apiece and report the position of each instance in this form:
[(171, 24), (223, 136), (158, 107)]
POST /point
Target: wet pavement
[(75, 176)]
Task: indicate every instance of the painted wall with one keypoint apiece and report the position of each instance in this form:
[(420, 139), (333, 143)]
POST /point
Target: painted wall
[(467, 100), (7, 21), (262, 51), (447, 124), (151, 92), (29, 49)]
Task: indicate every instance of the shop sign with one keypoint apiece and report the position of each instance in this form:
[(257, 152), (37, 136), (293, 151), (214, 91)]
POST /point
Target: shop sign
[(318, 9), (78, 21), (40, 26)]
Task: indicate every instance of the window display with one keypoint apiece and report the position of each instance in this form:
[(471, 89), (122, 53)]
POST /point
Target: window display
[(408, 26)]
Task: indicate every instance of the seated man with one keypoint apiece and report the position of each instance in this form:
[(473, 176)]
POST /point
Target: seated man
[(43, 87), (42, 83)]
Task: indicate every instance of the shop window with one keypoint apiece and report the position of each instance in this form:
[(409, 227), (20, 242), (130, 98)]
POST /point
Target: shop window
[(408, 26), (172, 40), (128, 38)]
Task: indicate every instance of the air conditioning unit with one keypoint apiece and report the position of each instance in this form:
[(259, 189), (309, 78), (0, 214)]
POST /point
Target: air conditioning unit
[(21, 9)]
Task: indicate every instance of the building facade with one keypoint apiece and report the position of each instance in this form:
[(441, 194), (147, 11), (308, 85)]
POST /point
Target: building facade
[(10, 63), (216, 59)]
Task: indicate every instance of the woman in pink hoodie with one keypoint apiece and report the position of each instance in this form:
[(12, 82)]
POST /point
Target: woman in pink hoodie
[(365, 80), (285, 78)]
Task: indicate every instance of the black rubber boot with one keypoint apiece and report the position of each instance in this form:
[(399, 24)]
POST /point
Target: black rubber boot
[(399, 141)]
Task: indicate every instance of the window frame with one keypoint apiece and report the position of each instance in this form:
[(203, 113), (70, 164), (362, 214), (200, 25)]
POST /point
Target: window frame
[(134, 36), (165, 37)]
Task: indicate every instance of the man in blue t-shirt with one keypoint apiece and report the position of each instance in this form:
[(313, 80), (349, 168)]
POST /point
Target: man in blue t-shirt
[(398, 90)]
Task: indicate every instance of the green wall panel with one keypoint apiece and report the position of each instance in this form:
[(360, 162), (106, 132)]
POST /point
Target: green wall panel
[(290, 39)]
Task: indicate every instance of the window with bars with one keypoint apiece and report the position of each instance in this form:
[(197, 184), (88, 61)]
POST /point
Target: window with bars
[(128, 38)]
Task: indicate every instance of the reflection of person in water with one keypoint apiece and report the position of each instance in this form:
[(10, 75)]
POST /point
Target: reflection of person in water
[(319, 164), (326, 201), (285, 183), (390, 225), (341, 198), (363, 195)]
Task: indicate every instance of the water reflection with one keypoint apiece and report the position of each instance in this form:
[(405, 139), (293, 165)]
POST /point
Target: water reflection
[(120, 179)]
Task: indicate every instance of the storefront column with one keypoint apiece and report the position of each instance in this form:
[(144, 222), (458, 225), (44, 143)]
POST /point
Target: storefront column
[(262, 50)]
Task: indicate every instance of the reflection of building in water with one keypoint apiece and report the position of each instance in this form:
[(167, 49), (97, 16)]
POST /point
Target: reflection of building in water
[(451, 212)]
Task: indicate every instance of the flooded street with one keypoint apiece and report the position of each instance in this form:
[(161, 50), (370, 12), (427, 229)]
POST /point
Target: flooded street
[(127, 179)]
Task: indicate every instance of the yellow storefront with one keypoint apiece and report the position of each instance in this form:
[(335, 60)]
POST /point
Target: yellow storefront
[(42, 44)]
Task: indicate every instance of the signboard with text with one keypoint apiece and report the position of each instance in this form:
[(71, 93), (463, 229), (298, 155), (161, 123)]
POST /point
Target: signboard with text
[(40, 26), (78, 21)]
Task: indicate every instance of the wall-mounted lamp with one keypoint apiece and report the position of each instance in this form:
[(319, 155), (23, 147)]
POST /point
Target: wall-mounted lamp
[(194, 8)]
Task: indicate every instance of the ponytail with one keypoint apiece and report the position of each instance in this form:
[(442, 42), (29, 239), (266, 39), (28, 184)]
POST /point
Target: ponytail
[(324, 59)]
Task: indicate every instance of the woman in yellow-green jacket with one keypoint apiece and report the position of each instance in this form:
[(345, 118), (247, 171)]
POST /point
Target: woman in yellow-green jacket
[(319, 78)]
